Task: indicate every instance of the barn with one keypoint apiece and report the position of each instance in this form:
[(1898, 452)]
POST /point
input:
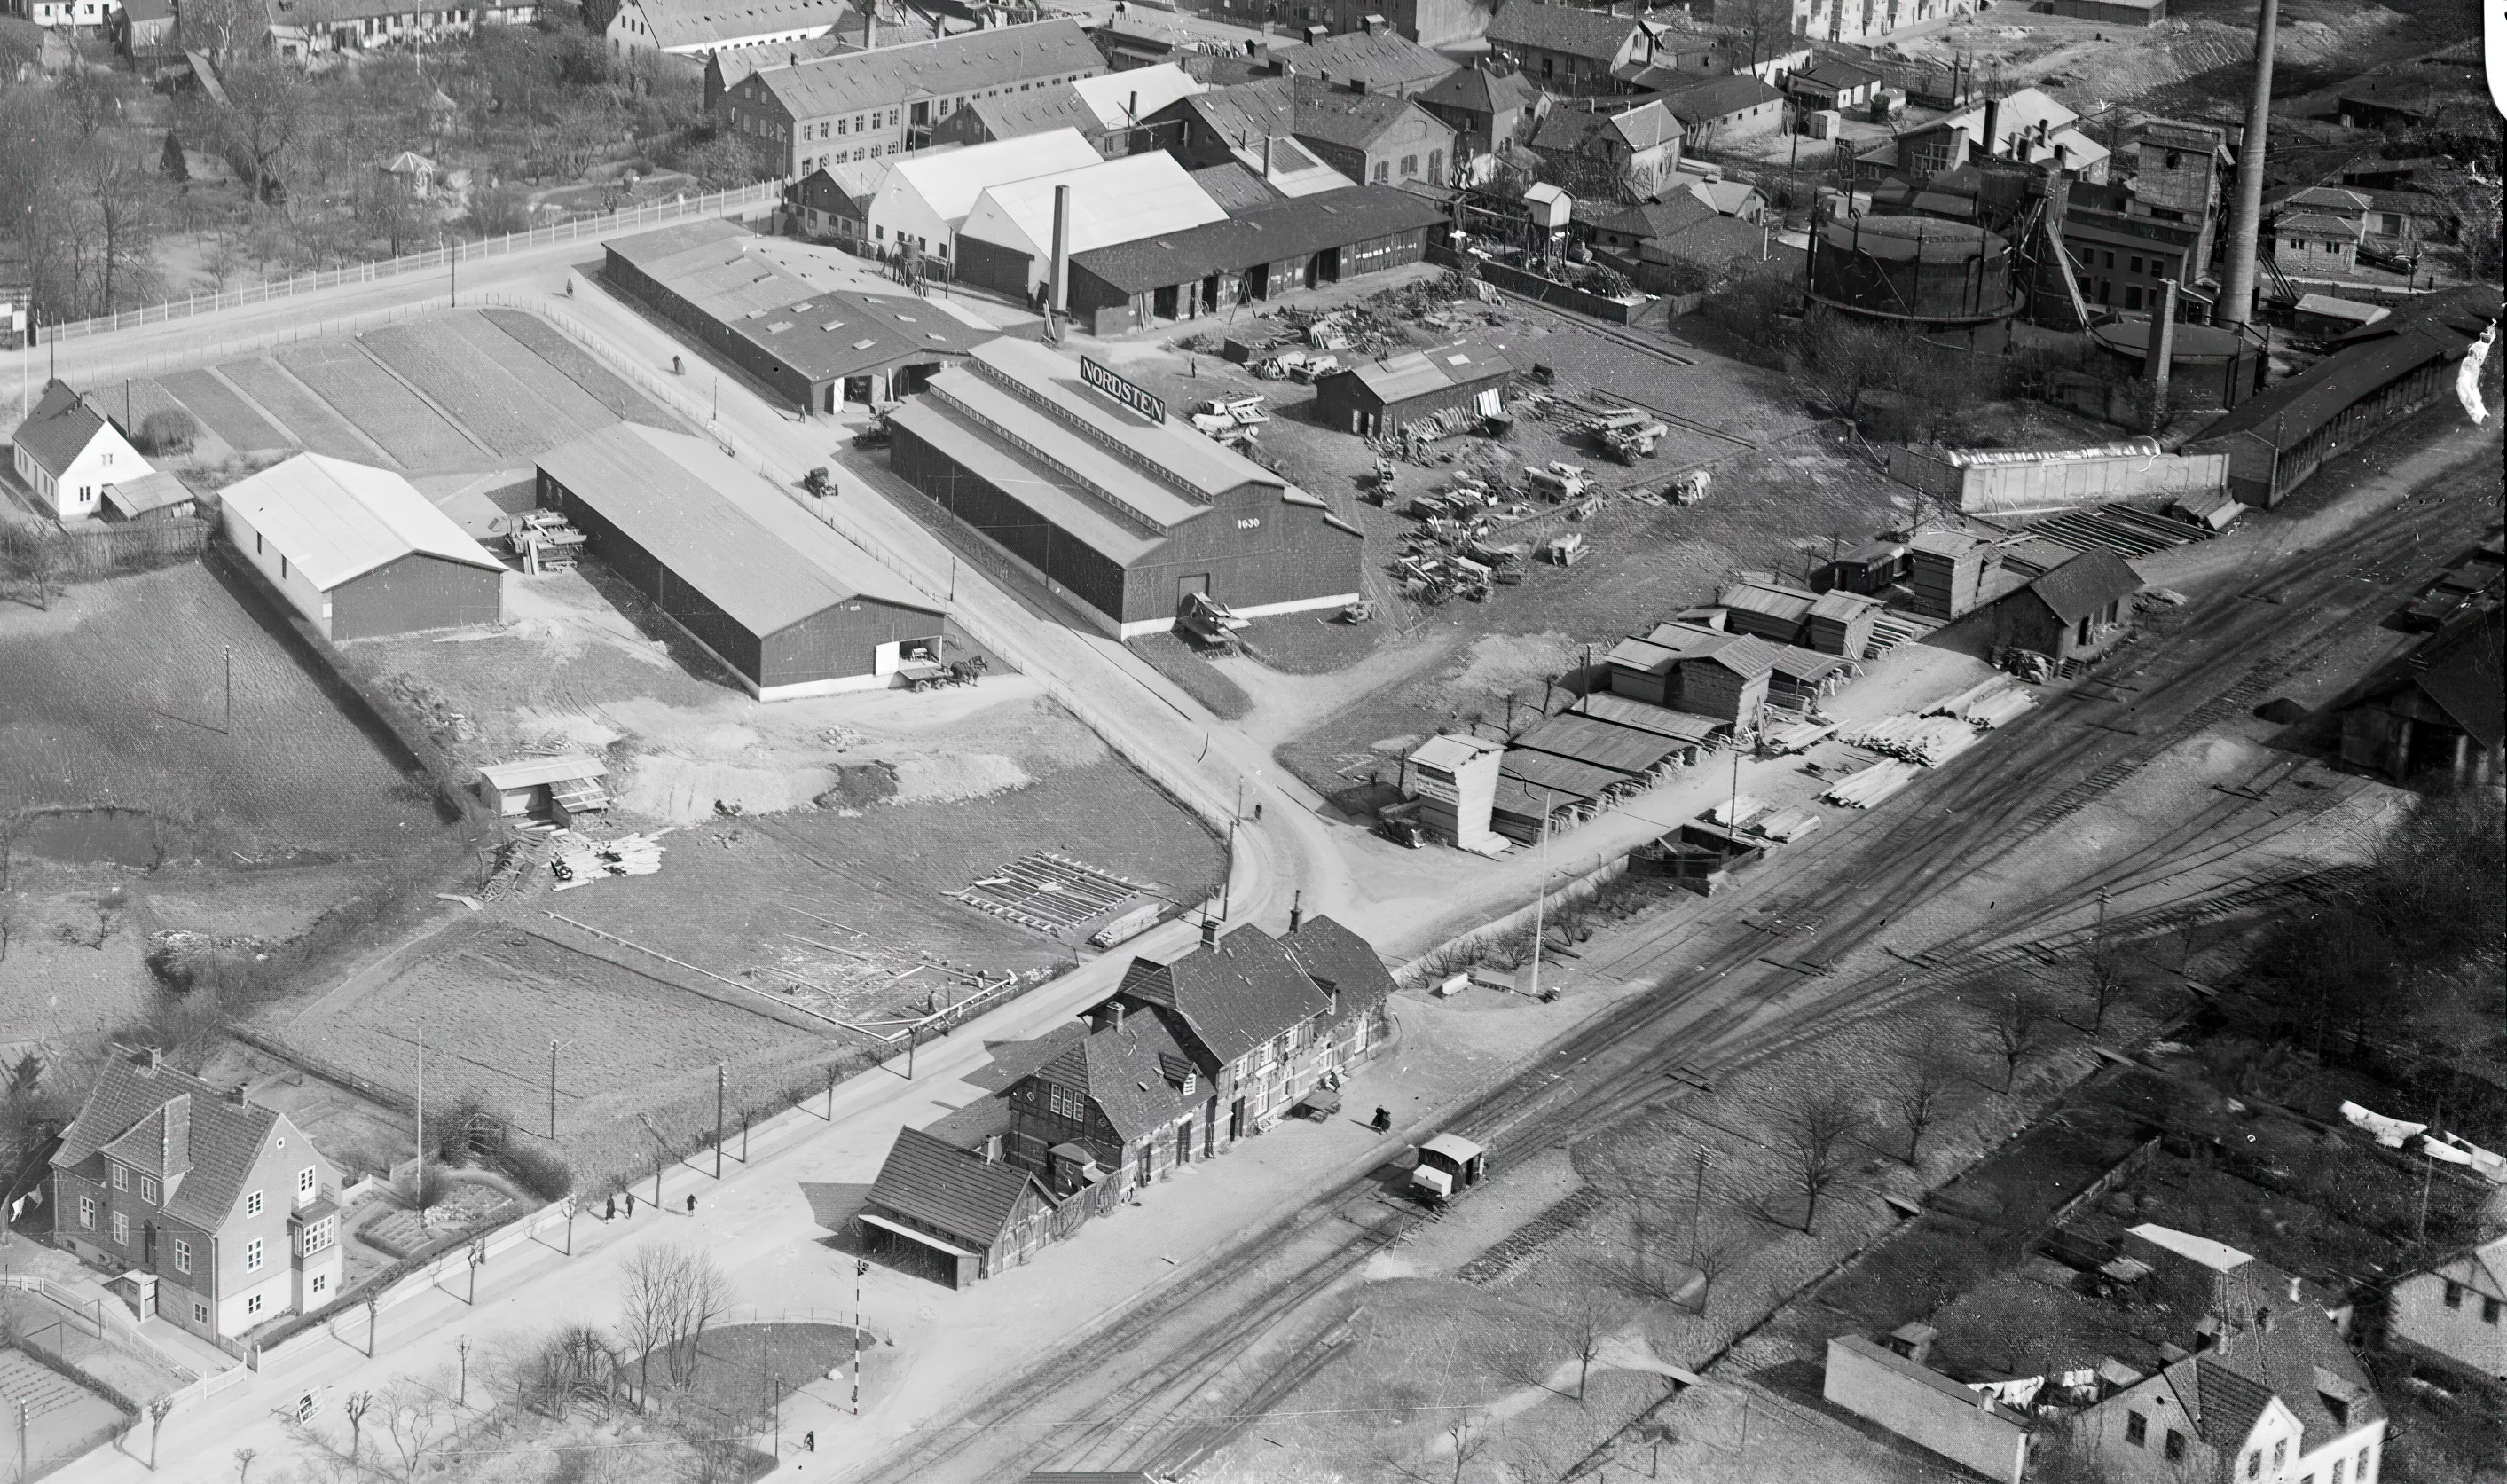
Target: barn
[(1088, 482), (787, 603), (359, 550), (1377, 398)]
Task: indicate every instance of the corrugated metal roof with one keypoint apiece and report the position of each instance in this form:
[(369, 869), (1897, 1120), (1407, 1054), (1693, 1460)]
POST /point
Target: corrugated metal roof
[(1545, 771), (531, 772), (1063, 505), (1645, 716), (334, 519), (678, 24), (1769, 598), (2084, 585), (1399, 377), (1125, 97), (1184, 457), (2288, 413), (950, 181), (1277, 233), (698, 513), (1113, 200), (943, 68), (1630, 751), (927, 1179)]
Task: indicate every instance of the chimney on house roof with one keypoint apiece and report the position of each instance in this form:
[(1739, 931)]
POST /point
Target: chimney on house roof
[(1209, 930), (1296, 909), (1992, 126), (2293, 1287), (150, 1059)]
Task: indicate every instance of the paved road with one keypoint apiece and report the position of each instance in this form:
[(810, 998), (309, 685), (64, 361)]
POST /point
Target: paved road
[(1246, 1330)]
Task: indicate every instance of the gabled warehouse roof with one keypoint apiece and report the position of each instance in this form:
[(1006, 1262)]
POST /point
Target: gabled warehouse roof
[(942, 68), (691, 507), (334, 519), (948, 182), (1112, 201), (1465, 363), (1291, 229)]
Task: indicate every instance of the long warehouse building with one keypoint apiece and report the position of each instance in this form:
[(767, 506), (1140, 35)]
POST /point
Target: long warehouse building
[(784, 602), (1083, 478), (813, 347)]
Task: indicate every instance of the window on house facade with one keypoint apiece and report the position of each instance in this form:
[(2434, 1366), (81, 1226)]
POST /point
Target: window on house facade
[(2175, 1449), (318, 1236), (87, 1212), (2453, 1294), (2136, 1430), (1409, 166), (120, 1179), (320, 1285), (2338, 1466), (2281, 1451), (2255, 1464), (200, 1314), (148, 1188), (2363, 1467), (252, 1255), (182, 1255), (252, 1305), (120, 1229)]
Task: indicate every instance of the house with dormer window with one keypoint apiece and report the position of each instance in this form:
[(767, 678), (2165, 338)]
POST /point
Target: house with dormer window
[(209, 1210)]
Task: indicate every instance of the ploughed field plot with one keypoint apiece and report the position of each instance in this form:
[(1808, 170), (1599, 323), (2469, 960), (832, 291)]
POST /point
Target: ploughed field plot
[(119, 698), (447, 393)]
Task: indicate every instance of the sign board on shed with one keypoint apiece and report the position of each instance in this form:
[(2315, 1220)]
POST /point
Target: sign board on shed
[(1146, 403)]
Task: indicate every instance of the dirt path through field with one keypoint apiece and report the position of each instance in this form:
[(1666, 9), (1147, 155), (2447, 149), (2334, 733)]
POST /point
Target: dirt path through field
[(1286, 707)]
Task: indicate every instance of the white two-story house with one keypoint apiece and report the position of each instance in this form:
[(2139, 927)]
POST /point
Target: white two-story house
[(66, 453)]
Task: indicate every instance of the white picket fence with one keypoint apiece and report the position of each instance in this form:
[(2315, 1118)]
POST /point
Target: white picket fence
[(438, 259)]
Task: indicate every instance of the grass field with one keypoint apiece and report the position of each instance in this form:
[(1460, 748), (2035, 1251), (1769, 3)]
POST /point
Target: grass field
[(383, 409), (219, 410), (310, 422)]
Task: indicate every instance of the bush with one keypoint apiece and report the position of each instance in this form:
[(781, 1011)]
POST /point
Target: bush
[(536, 1170), (167, 430)]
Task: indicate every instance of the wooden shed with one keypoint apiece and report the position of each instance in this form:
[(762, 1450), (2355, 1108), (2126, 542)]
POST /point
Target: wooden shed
[(1771, 609), (553, 789), (1725, 677), (1840, 623), (2071, 612), (1947, 567), (1872, 567)]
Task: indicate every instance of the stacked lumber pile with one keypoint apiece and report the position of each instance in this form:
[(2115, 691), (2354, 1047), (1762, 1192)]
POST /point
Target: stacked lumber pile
[(1863, 790), (580, 861), (1799, 736), (1987, 704), (1785, 825), (1927, 740)]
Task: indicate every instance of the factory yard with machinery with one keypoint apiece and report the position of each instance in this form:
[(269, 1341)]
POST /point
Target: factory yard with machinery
[(1509, 743)]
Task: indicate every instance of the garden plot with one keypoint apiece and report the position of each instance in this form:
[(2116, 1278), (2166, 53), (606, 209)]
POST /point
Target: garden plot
[(382, 406), (495, 407), (583, 411), (306, 417), (578, 366), (220, 411)]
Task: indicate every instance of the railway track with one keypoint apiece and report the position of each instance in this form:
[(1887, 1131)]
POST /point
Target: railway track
[(1174, 1377)]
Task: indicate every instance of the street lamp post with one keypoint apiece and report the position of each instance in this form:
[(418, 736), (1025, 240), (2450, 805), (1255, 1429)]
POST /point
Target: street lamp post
[(860, 1267)]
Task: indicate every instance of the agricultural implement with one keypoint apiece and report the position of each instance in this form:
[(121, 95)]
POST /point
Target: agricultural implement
[(1626, 434), (1211, 622), (1556, 482), (1689, 487), (545, 541)]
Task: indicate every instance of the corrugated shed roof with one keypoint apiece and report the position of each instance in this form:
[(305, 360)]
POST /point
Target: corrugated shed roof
[(2287, 413), (1745, 655), (154, 489), (681, 499), (2084, 585), (941, 68), (1631, 750), (1772, 598), (1645, 716), (1021, 115), (2317, 225), (1561, 29), (927, 1179), (1112, 201), (1546, 771), (948, 182), (1074, 511), (60, 428), (1189, 461), (334, 519), (1296, 227), (1837, 75), (1399, 377)]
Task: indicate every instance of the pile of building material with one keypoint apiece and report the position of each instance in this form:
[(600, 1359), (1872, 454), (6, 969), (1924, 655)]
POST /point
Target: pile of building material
[(1987, 704), (1732, 812), (581, 861), (1864, 789), (1799, 736), (1927, 740), (1050, 893), (1785, 825)]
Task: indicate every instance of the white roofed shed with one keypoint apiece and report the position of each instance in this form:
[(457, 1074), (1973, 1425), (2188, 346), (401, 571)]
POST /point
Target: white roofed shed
[(359, 550)]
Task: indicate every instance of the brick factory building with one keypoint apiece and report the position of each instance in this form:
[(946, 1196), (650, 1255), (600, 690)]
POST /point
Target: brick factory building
[(1254, 256), (1089, 483)]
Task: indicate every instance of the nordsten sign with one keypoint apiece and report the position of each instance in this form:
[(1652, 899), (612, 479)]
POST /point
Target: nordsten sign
[(1147, 404)]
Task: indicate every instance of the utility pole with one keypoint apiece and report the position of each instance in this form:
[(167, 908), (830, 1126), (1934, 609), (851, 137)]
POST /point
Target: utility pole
[(1541, 892), (417, 1192), (1697, 1205), (230, 723), (2236, 305), (1227, 884), (551, 1090), (721, 1084), (860, 1267)]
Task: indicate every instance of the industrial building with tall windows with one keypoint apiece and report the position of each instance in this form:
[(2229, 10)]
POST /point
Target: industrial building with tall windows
[(1127, 511)]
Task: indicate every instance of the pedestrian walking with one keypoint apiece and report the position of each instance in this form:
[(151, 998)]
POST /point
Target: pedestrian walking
[(692, 1202), (630, 1203), (609, 1213)]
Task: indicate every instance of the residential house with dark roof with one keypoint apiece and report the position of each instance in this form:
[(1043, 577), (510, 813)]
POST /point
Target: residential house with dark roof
[(1250, 124), (212, 1212), (1124, 1104), (689, 31), (68, 453), (1630, 228), (2271, 1391), (834, 200), (950, 1214), (1833, 83), (1374, 138), (1568, 49), (872, 105), (2456, 1308), (1628, 154), (1485, 109), (1378, 59), (2438, 709)]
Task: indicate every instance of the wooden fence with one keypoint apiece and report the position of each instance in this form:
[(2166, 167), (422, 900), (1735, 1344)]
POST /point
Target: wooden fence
[(111, 548), (1534, 286)]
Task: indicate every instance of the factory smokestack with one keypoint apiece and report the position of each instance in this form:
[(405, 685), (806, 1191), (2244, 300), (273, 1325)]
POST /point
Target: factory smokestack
[(1061, 283), (2236, 305)]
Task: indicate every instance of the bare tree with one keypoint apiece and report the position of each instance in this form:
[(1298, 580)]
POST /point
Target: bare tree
[(158, 1411), (1816, 1134), (673, 1295), (2015, 1028), (1923, 1092), (355, 1405), (1470, 1442), (2103, 981), (416, 1417), (265, 110), (1763, 27), (1589, 1319)]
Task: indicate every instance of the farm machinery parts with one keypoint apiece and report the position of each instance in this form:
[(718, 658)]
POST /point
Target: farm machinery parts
[(1233, 422), (1211, 623), (874, 434), (544, 540), (1627, 434)]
